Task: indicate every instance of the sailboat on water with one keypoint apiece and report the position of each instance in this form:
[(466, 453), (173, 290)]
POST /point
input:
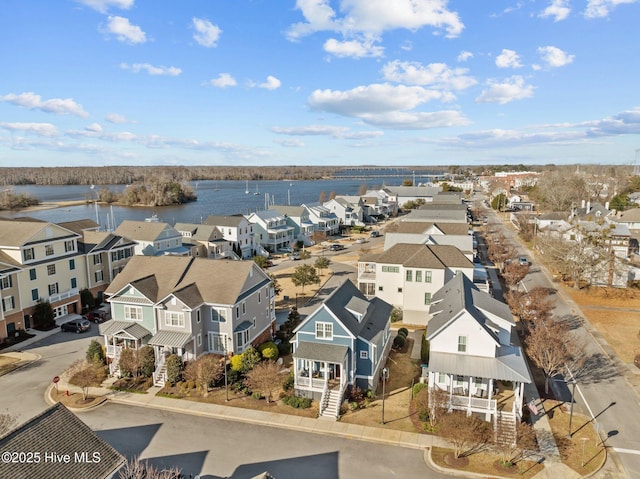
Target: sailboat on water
[(257, 192), (246, 188)]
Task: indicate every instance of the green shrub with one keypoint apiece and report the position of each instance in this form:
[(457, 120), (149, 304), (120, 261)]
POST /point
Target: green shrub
[(256, 395), (269, 350), (424, 349), (396, 315), (399, 342), (418, 387), (95, 351), (250, 358), (174, 368), (403, 331), (284, 348), (288, 382), (147, 361), (297, 402)]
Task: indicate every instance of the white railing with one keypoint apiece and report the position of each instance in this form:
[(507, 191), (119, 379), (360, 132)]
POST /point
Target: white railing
[(113, 351), (159, 375), (473, 403), (315, 383), (53, 298)]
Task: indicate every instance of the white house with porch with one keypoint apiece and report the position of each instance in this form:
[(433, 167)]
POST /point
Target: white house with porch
[(474, 354)]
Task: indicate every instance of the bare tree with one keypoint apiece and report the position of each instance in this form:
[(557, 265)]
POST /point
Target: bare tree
[(553, 348), (264, 378), (205, 371), (559, 190), (83, 375), (7, 423), (137, 469), (438, 405), (532, 307), (513, 273), (525, 441), (465, 433)]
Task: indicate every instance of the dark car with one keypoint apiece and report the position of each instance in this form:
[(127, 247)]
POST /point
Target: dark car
[(336, 247), (98, 315), (76, 325)]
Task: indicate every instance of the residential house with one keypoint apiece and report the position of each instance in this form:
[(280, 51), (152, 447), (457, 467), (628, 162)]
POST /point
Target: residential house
[(344, 342), (46, 439), (380, 203), (447, 197), (325, 221), (418, 232), (439, 214), (41, 262), (206, 241), (401, 195), (272, 232), (630, 217), (474, 354), (238, 231), (590, 211), (408, 275), (299, 218), (348, 209), (188, 306), (153, 238)]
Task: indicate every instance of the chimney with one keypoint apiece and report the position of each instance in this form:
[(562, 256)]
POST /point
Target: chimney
[(588, 206), (606, 205), (582, 204)]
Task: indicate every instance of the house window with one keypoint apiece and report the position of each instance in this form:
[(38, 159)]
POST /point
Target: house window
[(409, 275), (244, 308), (427, 298), (399, 290), (364, 354), (259, 297), (133, 313), (53, 289), (98, 276), (391, 269), (242, 339), (218, 315), (254, 323), (72, 264), (173, 318), (380, 288), (48, 250), (198, 316), (237, 311), (199, 339), (97, 259), (442, 378), (462, 344), (324, 330), (5, 282), (217, 343), (51, 269), (74, 283), (28, 254), (459, 380), (418, 276), (69, 246), (427, 276), (34, 295), (32, 274), (8, 303)]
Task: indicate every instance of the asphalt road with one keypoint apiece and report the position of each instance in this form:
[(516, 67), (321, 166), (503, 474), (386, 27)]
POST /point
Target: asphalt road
[(603, 390)]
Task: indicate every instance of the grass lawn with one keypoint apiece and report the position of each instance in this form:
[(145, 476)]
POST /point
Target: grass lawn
[(7, 364), (74, 399), (485, 464)]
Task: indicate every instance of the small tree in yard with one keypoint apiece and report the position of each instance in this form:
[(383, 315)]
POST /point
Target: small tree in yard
[(513, 273), (83, 375), (304, 275), (128, 363), (553, 348), (87, 299), (250, 357), (137, 469), (438, 406), (277, 289), (531, 307), (264, 378), (465, 433), (146, 361), (322, 263), (511, 452), (43, 315), (95, 354), (174, 368), (205, 371)]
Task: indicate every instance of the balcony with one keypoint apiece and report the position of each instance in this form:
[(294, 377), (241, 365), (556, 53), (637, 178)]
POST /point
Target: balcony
[(54, 298)]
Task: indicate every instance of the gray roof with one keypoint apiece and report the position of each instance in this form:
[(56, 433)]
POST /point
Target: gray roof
[(443, 207), (424, 256), (437, 215), (415, 191), (332, 353), (422, 226), (287, 210), (133, 329), (376, 317), (174, 339), (511, 366), (58, 429), (233, 220), (142, 230)]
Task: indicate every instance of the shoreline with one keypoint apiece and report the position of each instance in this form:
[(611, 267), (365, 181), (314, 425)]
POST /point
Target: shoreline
[(49, 206)]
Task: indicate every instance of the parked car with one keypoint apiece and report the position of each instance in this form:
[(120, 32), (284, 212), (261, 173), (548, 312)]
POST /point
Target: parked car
[(361, 240), (336, 247), (294, 256), (523, 261), (374, 234), (98, 315), (76, 325), (285, 249)]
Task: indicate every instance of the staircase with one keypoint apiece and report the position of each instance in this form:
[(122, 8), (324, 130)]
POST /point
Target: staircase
[(505, 428), (330, 403), (160, 374)]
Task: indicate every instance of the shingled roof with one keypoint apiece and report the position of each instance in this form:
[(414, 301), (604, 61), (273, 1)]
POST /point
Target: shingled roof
[(58, 430)]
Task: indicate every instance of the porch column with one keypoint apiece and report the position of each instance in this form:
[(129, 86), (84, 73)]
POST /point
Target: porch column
[(469, 396), (489, 396)]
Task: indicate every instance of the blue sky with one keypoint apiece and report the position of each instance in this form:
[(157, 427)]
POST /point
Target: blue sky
[(319, 82)]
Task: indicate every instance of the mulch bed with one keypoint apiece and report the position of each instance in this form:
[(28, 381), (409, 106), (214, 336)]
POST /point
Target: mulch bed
[(451, 460)]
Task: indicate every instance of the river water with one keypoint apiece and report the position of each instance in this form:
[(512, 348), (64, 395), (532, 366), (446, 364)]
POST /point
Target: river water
[(214, 198)]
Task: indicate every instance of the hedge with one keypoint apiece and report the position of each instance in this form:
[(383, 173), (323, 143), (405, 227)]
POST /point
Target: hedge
[(269, 350), (399, 342)]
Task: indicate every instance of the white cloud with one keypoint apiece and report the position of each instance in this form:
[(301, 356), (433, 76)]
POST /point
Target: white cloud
[(207, 34), (151, 69), (625, 123), (103, 6), (338, 132), (558, 9), (513, 88), (554, 57), (125, 31), (223, 80), (438, 75), (464, 56), (602, 8), (401, 120), (94, 128), (353, 48), (116, 118), (407, 45), (58, 106), (272, 83), (289, 142), (375, 17), (508, 59), (40, 129)]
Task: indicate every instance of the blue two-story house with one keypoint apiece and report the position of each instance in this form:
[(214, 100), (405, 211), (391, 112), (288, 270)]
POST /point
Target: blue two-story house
[(345, 342)]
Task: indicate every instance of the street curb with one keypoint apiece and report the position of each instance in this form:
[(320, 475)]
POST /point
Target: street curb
[(23, 362), (49, 400)]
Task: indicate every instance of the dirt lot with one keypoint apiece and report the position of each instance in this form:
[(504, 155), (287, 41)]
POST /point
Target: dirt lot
[(615, 314)]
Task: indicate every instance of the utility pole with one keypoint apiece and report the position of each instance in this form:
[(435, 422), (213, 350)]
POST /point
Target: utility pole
[(385, 376)]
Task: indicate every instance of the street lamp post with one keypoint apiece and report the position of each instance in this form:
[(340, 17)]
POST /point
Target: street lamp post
[(584, 440), (385, 376), (573, 395), (226, 386)]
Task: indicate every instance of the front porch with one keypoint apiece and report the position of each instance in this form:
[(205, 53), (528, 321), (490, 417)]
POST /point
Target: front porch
[(120, 335), (321, 373), (166, 343)]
